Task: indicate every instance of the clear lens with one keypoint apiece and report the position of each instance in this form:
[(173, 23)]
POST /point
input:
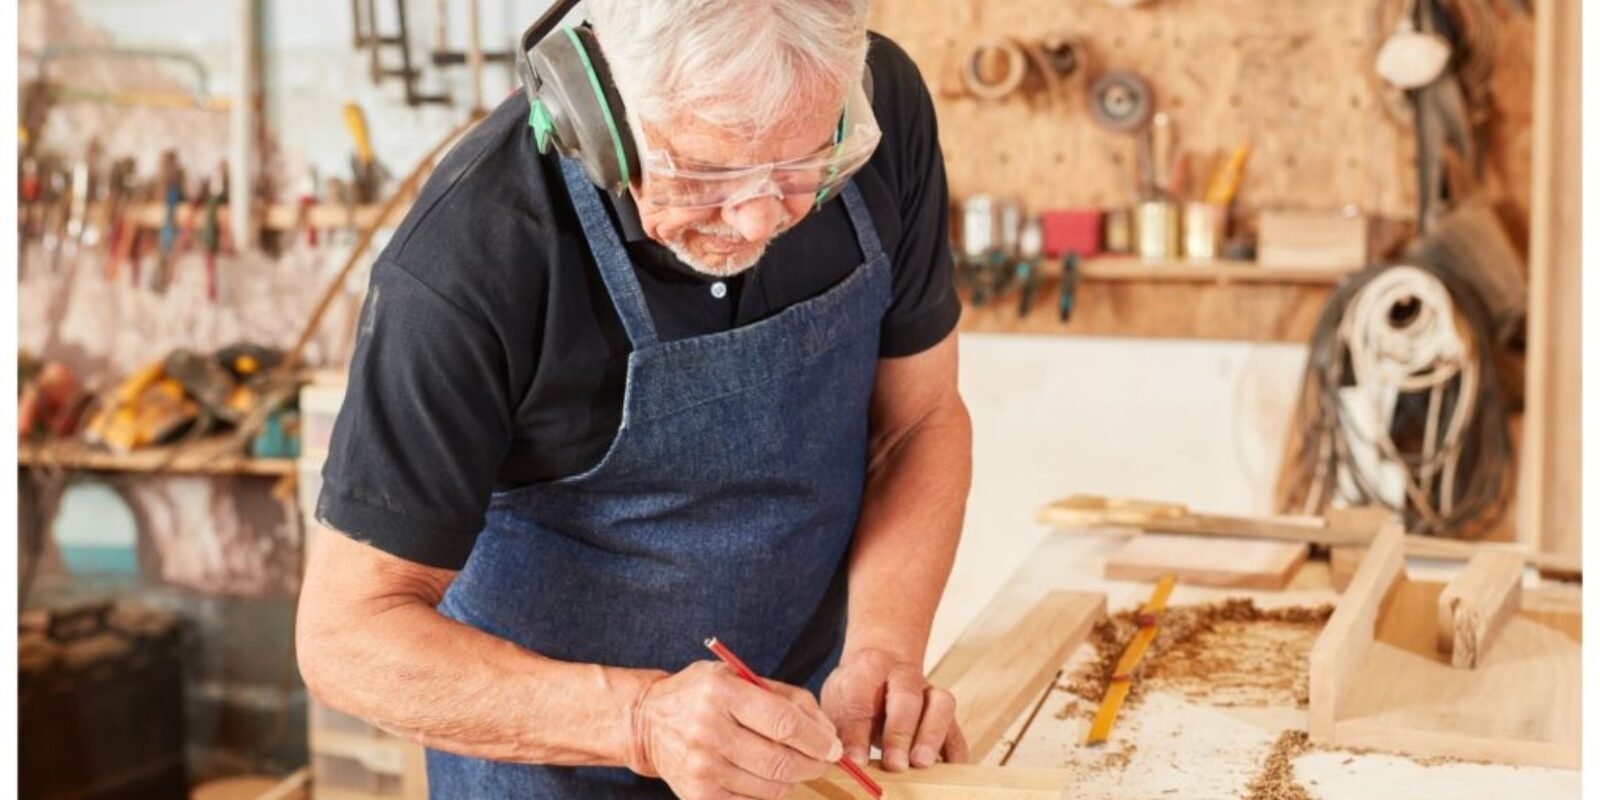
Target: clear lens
[(683, 184)]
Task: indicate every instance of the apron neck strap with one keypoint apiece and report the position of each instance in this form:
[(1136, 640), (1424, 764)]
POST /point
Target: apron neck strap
[(616, 269), (861, 220)]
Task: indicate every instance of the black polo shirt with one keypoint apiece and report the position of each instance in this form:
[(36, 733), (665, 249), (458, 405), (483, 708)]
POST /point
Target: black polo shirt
[(489, 354)]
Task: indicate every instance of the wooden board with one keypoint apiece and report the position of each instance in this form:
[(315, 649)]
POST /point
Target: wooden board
[(1092, 511), (1343, 561), (1476, 605), (210, 456), (1207, 561), (1017, 670), (1226, 72), (944, 782), (1550, 498), (1349, 632), (1122, 304), (1378, 681)]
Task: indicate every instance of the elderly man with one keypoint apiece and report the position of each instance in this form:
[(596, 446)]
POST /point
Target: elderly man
[(664, 351)]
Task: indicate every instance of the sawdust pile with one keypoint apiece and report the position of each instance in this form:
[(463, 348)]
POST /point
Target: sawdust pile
[(1276, 779), (1225, 654)]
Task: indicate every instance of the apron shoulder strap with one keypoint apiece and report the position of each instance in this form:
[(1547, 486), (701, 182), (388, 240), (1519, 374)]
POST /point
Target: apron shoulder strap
[(861, 220), (616, 268)]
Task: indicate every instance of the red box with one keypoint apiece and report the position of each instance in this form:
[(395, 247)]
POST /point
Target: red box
[(1071, 230)]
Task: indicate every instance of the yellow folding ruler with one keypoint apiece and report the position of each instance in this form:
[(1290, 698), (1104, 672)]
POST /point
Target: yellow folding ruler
[(1122, 678)]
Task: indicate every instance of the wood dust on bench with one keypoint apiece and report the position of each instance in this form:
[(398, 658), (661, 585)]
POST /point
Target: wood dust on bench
[(1222, 654)]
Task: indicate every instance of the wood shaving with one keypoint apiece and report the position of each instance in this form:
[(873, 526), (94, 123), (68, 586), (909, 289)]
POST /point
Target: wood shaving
[(1229, 653), (1276, 779), (1116, 759)]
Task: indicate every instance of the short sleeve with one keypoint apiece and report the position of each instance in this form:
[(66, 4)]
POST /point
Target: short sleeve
[(925, 307), (424, 428)]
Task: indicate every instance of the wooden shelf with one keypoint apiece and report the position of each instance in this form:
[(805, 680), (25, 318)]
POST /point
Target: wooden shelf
[(321, 216), (1129, 268), (205, 457), (1184, 305)]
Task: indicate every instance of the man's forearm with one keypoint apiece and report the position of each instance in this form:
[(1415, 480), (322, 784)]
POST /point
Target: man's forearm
[(911, 517), (412, 671)]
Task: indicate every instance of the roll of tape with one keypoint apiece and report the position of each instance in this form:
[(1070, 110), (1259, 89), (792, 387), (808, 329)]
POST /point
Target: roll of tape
[(1120, 101), (1016, 68)]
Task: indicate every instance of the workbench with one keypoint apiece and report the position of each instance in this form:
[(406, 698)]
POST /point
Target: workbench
[(1177, 745)]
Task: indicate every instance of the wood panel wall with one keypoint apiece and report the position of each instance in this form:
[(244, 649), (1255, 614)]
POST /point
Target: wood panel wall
[(1290, 77)]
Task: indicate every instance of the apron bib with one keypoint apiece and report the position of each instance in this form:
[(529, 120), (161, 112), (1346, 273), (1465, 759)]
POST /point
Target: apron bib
[(725, 507)]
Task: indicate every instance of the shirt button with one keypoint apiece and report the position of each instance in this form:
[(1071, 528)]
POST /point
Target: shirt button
[(719, 290)]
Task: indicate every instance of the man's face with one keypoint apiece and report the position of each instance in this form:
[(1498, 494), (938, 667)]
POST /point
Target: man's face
[(726, 240)]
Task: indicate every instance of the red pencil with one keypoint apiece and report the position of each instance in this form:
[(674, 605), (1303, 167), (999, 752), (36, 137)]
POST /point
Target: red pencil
[(721, 650)]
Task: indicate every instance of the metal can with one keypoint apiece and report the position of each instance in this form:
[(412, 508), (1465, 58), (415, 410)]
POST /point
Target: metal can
[(1205, 226), (1157, 230), (1118, 231)]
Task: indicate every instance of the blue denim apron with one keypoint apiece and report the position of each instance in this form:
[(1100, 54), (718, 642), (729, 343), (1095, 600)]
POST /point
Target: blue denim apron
[(725, 507)]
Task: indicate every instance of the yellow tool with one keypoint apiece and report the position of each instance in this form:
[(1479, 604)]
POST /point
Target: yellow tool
[(1224, 183), (147, 408), (1122, 679), (356, 122), (364, 167)]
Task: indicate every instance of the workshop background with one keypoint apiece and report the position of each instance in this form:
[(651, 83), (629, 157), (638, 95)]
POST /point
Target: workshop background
[(1163, 212)]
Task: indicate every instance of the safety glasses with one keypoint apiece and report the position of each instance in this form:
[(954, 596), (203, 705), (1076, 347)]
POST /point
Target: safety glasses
[(683, 183)]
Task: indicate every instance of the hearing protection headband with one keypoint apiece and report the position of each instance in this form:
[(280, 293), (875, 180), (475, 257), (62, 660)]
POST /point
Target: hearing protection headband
[(574, 107)]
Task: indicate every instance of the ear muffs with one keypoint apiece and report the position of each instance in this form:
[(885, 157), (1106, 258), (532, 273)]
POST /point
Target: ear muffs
[(574, 107)]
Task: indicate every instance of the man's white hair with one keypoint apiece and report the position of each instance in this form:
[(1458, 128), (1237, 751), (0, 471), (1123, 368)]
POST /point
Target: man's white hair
[(744, 65)]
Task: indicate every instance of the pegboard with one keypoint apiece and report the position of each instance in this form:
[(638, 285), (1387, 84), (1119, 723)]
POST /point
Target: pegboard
[(1290, 77)]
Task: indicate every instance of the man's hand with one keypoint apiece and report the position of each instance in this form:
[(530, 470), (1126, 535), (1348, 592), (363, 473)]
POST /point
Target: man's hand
[(876, 693), (709, 734)]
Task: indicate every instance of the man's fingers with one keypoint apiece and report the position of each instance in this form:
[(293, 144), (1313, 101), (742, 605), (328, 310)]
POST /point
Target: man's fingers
[(852, 700), (902, 709), (938, 717), (780, 719), (955, 745), (770, 761)]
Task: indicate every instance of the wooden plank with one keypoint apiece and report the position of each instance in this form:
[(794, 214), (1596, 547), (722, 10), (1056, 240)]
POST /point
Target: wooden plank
[(1476, 605), (1001, 683), (1344, 641), (322, 216), (291, 787), (1550, 498), (1521, 706), (1556, 565), (414, 773), (210, 456), (1223, 562), (386, 755), (1165, 308), (945, 782), (1343, 561), (1222, 271), (1091, 512)]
